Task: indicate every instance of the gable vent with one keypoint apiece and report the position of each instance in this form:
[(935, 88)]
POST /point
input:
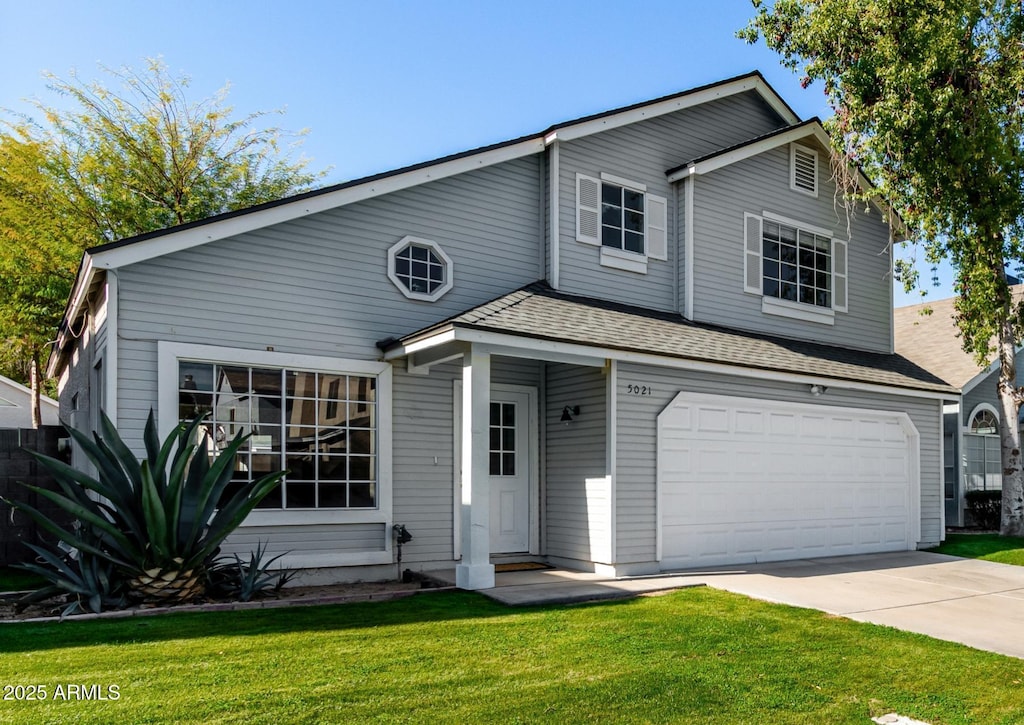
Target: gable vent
[(805, 169)]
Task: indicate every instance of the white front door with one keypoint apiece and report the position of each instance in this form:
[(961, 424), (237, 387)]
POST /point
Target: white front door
[(510, 472)]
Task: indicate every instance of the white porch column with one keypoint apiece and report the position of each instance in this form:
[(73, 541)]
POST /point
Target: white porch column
[(476, 570)]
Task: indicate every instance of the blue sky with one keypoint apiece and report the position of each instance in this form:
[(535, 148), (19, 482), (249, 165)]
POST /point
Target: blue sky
[(384, 84)]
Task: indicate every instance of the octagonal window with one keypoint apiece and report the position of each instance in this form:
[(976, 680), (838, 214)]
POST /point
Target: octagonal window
[(420, 269)]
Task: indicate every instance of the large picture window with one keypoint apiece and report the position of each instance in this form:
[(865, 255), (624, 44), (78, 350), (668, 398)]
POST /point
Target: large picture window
[(319, 426)]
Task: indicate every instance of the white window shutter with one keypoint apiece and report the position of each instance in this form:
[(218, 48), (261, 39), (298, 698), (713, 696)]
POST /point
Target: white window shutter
[(752, 254), (839, 276), (657, 227), (588, 209)]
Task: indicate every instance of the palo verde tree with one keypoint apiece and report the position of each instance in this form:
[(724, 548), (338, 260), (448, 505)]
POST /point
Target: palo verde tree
[(121, 162), (928, 98)]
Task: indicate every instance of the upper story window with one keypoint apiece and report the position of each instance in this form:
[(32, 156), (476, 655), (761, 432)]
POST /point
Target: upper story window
[(797, 265), (803, 169), (623, 218), (799, 271), (321, 427), (420, 269), (984, 422)]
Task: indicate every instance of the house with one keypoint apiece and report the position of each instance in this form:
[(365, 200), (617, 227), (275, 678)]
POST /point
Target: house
[(926, 333), (642, 340), (16, 406)]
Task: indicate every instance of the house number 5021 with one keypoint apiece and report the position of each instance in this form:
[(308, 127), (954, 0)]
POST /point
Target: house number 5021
[(639, 389)]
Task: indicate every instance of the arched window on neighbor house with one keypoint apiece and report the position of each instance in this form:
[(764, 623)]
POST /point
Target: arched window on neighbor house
[(982, 461)]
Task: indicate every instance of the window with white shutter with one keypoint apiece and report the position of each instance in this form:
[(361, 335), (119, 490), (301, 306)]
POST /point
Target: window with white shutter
[(623, 219), (588, 209), (794, 267)]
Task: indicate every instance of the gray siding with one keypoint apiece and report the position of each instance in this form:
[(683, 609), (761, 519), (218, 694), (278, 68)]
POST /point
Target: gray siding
[(318, 285), (575, 452), (762, 184), (305, 539), (643, 152), (984, 392), (636, 449)]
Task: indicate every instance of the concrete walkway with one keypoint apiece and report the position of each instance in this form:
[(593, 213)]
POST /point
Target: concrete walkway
[(974, 602)]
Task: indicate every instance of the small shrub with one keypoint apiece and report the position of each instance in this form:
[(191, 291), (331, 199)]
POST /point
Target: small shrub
[(985, 508), (244, 580)]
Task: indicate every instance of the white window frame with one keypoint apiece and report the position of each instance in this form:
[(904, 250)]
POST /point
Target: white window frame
[(169, 354), (449, 268), (655, 232), (771, 305), (794, 149), (968, 431)]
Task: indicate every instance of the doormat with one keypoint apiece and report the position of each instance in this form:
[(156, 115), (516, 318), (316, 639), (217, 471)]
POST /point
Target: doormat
[(522, 566)]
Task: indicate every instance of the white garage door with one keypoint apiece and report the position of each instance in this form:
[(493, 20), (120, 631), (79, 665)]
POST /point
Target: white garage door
[(744, 480)]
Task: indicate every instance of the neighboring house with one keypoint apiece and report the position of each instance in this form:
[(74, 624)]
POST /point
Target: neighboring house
[(971, 448), (642, 340), (16, 406)]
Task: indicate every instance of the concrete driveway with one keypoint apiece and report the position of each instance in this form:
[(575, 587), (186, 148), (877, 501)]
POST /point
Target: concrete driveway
[(977, 603)]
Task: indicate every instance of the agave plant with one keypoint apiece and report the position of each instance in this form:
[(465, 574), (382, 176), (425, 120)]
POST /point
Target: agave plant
[(243, 580), (159, 521)]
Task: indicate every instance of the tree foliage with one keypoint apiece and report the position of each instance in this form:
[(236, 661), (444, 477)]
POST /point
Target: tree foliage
[(928, 97), (122, 162)]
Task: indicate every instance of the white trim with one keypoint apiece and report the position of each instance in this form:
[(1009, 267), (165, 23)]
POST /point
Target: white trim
[(168, 355), (612, 458), (802, 226), (621, 181), (966, 426), (449, 268), (621, 259), (538, 349), (299, 560), (727, 158), (78, 297), (942, 471), (911, 431), (689, 262), (696, 98), (250, 221), (313, 517), (15, 385), (977, 379), (554, 235), (798, 310), (794, 149), (110, 362), (457, 469), (533, 436)]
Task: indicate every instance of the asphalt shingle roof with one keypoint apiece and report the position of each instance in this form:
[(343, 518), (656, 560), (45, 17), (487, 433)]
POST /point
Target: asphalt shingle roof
[(540, 312)]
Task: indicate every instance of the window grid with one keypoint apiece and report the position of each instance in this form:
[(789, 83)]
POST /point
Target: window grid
[(622, 218), (320, 426), (419, 269), (503, 439), (797, 265)]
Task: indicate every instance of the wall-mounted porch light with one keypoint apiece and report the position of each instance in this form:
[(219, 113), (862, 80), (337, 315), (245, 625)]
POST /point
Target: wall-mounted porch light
[(569, 412)]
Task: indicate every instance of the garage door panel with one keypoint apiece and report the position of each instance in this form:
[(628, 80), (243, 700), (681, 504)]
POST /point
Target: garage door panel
[(746, 480)]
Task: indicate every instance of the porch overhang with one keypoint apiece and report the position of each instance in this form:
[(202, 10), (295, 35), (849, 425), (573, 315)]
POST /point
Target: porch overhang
[(539, 323)]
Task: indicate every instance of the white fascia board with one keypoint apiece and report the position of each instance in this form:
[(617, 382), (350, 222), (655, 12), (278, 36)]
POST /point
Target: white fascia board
[(758, 147), (78, 296), (670, 105), (514, 345), (992, 367), (247, 222)]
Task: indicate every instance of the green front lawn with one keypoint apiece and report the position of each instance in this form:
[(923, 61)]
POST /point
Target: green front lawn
[(696, 655), (992, 547)]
